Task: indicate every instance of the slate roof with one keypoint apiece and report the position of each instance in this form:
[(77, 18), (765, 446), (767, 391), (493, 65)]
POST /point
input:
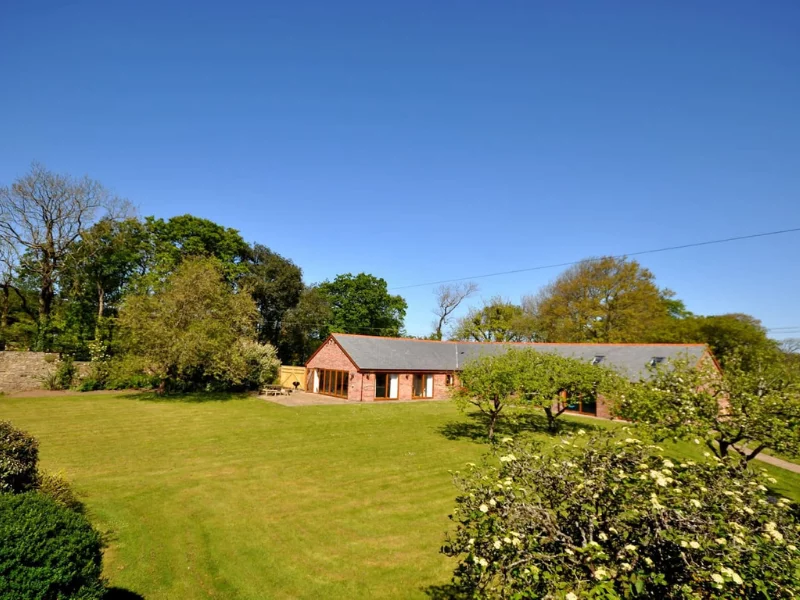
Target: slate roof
[(372, 353)]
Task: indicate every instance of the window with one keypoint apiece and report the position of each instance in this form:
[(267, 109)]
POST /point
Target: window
[(598, 359), (423, 386), (385, 386), (450, 380), (333, 383), (656, 360), (586, 405)]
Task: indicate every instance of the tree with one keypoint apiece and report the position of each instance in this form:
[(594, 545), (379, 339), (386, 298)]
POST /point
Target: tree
[(551, 382), (186, 236), (746, 408), (491, 383), (44, 214), (19, 459), (276, 284), (728, 335), (497, 321), (614, 518), (305, 326), (601, 300), (189, 331), (448, 298), (362, 304)]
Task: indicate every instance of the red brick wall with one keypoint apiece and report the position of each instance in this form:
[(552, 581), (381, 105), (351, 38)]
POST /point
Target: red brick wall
[(331, 356)]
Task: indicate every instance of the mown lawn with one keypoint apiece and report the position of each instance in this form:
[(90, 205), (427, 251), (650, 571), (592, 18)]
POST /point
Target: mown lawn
[(242, 498)]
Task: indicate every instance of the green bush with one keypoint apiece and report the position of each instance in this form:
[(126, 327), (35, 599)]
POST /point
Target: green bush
[(56, 487), (19, 457), (613, 518), (63, 377), (47, 551)]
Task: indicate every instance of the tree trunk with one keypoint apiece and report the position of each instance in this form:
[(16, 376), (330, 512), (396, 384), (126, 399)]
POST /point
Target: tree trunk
[(492, 421), (101, 304), (6, 307), (551, 420)]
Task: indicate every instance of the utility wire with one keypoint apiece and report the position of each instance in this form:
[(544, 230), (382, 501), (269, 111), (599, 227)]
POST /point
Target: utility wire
[(575, 262)]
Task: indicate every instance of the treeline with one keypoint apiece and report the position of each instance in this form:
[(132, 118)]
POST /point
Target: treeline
[(604, 300), (72, 256)]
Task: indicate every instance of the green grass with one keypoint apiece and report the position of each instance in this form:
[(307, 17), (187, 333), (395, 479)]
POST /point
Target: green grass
[(243, 498)]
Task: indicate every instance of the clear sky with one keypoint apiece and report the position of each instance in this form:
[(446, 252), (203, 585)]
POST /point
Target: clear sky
[(421, 141)]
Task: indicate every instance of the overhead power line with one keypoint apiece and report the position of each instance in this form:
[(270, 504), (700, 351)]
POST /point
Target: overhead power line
[(575, 262)]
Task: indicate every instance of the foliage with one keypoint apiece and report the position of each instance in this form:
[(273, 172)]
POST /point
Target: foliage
[(613, 518), (65, 373), (491, 383), (551, 382), (305, 326), (184, 332), (19, 458), (56, 487), (497, 321), (749, 407), (47, 551), (362, 304), (256, 365), (187, 236), (276, 284), (42, 217), (601, 300), (735, 336)]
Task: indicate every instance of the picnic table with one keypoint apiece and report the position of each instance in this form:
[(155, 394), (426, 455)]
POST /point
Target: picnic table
[(274, 390)]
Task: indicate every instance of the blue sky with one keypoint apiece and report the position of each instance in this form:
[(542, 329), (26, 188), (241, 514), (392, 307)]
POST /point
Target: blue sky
[(421, 141)]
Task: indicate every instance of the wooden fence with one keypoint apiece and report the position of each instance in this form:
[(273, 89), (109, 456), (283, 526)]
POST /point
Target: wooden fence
[(291, 374)]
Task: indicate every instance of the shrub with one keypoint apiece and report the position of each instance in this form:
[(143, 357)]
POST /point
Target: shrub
[(58, 489), (261, 364), (47, 551), (613, 518), (19, 456), (63, 377)]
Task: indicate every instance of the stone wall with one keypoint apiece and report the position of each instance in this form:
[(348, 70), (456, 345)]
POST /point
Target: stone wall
[(23, 371)]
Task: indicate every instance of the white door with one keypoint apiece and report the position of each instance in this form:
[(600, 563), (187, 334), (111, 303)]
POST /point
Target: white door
[(393, 386), (316, 381), (429, 386)]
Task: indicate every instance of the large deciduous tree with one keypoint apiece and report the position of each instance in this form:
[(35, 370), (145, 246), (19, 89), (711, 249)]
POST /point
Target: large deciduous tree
[(43, 215), (745, 408), (362, 304), (194, 329), (185, 236), (305, 326), (276, 284), (496, 321), (601, 300), (448, 298)]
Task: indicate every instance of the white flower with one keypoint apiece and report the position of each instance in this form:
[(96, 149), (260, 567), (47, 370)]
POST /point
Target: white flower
[(695, 502), (493, 502), (470, 541), (626, 566), (497, 544), (603, 537), (669, 464), (508, 458), (721, 541), (570, 596), (694, 545), (630, 547), (506, 440), (649, 561), (717, 577), (581, 432), (732, 574), (483, 562), (483, 508), (600, 573)]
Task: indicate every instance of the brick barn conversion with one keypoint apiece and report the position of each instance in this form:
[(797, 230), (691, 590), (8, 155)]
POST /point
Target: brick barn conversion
[(366, 368)]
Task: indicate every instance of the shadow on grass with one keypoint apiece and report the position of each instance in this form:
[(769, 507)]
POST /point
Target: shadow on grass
[(118, 593), (477, 426), (444, 592), (192, 397)]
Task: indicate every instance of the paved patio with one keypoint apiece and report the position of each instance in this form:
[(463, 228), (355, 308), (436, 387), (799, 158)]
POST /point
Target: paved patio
[(309, 399)]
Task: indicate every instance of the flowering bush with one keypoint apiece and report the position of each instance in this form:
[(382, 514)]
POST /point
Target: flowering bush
[(613, 518)]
